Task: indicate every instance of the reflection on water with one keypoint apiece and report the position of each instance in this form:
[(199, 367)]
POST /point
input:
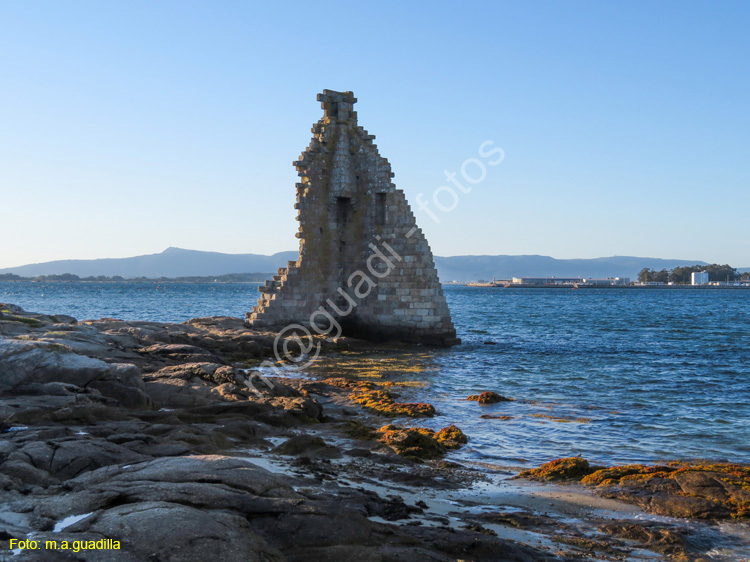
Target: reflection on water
[(388, 366)]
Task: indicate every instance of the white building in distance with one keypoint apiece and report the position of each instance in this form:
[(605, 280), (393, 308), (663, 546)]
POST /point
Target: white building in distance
[(699, 278)]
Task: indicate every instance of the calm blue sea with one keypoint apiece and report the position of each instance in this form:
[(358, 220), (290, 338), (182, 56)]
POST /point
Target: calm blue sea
[(614, 375)]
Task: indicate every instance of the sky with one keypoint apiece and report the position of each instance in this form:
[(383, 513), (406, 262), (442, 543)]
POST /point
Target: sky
[(127, 127)]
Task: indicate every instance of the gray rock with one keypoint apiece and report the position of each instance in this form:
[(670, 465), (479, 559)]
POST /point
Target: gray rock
[(24, 474), (64, 319), (350, 553), (179, 393), (27, 363), (305, 408), (178, 533), (233, 472), (309, 446), (76, 408), (324, 527), (64, 459), (179, 352), (195, 384), (207, 481)]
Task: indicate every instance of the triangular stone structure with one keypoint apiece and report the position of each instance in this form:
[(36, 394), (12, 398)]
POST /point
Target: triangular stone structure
[(364, 267)]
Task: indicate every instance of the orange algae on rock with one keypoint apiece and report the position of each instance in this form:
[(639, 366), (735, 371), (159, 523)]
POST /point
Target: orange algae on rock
[(489, 397), (729, 473), (741, 510), (370, 395), (383, 403), (414, 442), (695, 490), (631, 472), (407, 384), (419, 442), (559, 469), (451, 437), (699, 490), (341, 382)]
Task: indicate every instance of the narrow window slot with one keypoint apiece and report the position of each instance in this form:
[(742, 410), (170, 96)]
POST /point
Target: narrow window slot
[(343, 210), (380, 209)]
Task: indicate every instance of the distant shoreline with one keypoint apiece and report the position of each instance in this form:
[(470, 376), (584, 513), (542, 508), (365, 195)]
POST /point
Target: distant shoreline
[(244, 279), (529, 286), (73, 279)]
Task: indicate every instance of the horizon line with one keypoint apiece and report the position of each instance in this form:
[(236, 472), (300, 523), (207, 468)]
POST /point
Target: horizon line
[(27, 264)]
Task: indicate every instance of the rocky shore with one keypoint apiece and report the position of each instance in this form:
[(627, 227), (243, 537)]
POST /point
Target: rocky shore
[(155, 436)]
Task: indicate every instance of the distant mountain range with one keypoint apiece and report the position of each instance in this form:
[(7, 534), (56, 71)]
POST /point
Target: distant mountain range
[(172, 262), (176, 262)]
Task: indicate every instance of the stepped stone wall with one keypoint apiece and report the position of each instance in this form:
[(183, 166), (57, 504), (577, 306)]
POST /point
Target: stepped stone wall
[(364, 268)]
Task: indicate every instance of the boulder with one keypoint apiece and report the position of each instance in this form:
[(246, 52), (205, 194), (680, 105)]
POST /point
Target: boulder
[(307, 445), (179, 353), (560, 469), (80, 339), (302, 408), (7, 307), (451, 437), (178, 393), (133, 334), (203, 481), (233, 472), (489, 397), (83, 407), (414, 442), (29, 363), (228, 336), (691, 490), (180, 533), (196, 384), (326, 526), (655, 536), (65, 459)]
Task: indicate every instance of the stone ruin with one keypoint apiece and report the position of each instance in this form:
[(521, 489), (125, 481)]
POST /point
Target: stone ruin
[(365, 268)]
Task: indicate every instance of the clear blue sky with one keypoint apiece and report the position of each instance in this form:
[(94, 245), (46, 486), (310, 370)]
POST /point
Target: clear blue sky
[(127, 127)]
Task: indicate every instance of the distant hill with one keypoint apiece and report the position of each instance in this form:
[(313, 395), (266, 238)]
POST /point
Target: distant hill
[(172, 262), (473, 268), (176, 262)]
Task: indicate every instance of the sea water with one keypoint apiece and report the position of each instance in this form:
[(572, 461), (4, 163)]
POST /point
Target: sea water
[(616, 376)]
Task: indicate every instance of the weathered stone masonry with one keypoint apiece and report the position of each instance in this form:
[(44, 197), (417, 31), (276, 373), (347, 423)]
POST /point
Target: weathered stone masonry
[(355, 223)]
